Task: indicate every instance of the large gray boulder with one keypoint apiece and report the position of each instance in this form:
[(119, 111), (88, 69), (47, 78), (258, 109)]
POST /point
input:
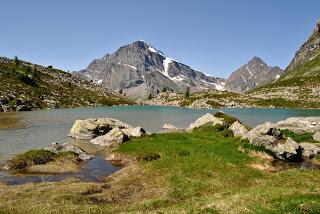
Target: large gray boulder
[(112, 139), (238, 129), (300, 124), (287, 150), (309, 150), (91, 128), (258, 131), (207, 118)]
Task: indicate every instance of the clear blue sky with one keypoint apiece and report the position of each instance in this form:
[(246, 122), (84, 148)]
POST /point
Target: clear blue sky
[(213, 36)]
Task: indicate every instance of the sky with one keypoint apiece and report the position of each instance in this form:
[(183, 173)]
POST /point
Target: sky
[(213, 36)]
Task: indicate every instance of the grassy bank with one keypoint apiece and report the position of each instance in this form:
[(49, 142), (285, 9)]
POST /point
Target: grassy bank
[(199, 172)]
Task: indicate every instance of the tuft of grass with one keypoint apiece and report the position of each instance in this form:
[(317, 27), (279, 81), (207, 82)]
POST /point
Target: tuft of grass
[(305, 137), (229, 120)]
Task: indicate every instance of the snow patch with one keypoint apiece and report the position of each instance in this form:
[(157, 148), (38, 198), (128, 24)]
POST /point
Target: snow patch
[(166, 63), (249, 71), (152, 50), (277, 77), (131, 66), (99, 81)]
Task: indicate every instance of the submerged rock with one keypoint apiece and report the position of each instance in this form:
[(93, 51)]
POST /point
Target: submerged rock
[(238, 129), (207, 118), (91, 128)]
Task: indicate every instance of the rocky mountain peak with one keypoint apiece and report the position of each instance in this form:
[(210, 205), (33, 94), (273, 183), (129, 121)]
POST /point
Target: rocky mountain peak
[(251, 75), (139, 69)]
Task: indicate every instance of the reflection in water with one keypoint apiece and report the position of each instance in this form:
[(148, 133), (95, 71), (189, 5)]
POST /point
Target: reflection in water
[(11, 120)]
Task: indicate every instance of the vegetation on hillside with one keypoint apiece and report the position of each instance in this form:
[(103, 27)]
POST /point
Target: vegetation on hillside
[(25, 86)]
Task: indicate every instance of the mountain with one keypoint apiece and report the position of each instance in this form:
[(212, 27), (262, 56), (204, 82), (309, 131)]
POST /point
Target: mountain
[(253, 74), (138, 69), (300, 85), (26, 86), (307, 50)]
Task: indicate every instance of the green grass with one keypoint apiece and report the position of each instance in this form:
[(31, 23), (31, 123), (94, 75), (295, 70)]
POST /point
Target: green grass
[(305, 137), (35, 157), (203, 171)]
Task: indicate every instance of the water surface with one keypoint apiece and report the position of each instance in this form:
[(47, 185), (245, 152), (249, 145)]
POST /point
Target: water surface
[(21, 131)]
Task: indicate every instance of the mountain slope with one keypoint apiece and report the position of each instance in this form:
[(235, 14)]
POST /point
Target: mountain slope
[(253, 74), (138, 69), (26, 86), (300, 86)]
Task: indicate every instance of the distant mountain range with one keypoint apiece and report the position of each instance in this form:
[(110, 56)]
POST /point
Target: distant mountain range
[(139, 69)]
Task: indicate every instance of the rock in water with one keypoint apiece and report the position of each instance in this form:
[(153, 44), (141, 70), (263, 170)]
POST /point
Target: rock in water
[(134, 132), (238, 129), (67, 147), (111, 139), (207, 118), (169, 126), (91, 128)]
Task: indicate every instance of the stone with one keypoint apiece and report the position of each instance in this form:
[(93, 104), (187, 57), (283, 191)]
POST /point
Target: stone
[(91, 128), (134, 132), (287, 150), (300, 124), (316, 136), (238, 129), (207, 118), (23, 108), (111, 139), (309, 150), (169, 126), (259, 130), (275, 133), (68, 147)]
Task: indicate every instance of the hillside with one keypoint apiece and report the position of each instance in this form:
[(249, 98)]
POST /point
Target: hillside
[(26, 86), (300, 86)]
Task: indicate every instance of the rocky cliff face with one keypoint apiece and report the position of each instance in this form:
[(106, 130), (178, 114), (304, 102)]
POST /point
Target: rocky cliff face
[(138, 69), (309, 49), (253, 74)]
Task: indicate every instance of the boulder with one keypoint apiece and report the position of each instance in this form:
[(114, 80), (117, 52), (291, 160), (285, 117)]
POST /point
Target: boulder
[(300, 124), (207, 118), (67, 147), (134, 132), (259, 130), (169, 126), (238, 129), (309, 150), (91, 128), (287, 150), (316, 136), (111, 139), (23, 108)]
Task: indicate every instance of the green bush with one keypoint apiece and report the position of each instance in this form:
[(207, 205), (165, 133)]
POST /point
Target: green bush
[(32, 157)]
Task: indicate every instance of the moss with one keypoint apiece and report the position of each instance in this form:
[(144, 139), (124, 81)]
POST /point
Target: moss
[(229, 120)]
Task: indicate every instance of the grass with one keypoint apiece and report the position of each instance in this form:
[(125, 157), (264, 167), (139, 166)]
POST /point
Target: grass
[(305, 137), (36, 157), (202, 171)]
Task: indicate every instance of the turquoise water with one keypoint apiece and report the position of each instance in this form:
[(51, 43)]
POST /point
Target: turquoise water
[(22, 131)]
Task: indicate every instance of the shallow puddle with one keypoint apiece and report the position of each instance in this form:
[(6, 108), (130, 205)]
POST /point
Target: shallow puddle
[(95, 170)]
